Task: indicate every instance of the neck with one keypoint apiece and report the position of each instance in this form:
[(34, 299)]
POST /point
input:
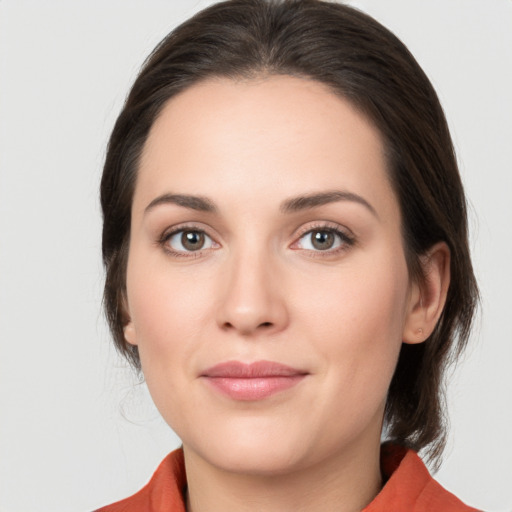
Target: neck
[(344, 482)]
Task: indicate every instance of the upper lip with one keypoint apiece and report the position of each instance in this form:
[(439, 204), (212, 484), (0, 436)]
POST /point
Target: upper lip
[(257, 369)]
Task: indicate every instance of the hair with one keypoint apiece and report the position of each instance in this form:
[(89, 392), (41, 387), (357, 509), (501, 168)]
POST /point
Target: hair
[(364, 63)]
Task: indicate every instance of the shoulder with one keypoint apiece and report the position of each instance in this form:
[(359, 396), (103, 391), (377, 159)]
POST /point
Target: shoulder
[(410, 487), (164, 492)]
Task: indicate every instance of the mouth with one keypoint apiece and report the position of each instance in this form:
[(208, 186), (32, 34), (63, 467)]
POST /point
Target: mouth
[(254, 381)]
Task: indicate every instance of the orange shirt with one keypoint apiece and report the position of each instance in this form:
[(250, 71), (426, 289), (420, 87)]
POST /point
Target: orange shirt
[(409, 488)]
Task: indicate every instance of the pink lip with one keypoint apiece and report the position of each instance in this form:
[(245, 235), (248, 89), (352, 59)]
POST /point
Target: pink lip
[(254, 381)]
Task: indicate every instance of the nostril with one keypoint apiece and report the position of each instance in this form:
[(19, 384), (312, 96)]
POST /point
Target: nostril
[(266, 324)]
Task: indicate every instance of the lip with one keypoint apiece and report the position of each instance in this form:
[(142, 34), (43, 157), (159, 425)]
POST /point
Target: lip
[(254, 381)]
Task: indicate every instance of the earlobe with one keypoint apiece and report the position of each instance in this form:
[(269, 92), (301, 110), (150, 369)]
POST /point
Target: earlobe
[(428, 297), (129, 333), (128, 328)]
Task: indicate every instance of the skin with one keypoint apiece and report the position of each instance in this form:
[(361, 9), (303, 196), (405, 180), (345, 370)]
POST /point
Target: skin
[(259, 290)]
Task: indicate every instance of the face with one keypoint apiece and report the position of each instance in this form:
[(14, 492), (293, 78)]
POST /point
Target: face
[(267, 287)]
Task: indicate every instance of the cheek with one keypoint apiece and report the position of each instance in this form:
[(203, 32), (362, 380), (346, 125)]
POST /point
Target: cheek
[(168, 314), (167, 310), (369, 296), (356, 319)]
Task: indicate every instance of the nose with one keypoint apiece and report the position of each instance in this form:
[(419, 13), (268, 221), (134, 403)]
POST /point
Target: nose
[(253, 301)]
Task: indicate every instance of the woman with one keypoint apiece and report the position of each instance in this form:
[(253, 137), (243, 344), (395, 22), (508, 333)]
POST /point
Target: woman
[(285, 240)]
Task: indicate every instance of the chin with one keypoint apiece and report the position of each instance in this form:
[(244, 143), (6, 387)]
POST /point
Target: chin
[(255, 451), (257, 460)]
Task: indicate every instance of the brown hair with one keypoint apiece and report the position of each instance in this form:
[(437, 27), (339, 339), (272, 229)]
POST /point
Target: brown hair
[(366, 64)]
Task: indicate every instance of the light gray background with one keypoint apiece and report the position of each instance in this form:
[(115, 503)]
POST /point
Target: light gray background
[(75, 430)]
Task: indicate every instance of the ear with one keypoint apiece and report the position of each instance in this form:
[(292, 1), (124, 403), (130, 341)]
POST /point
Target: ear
[(129, 327), (428, 297)]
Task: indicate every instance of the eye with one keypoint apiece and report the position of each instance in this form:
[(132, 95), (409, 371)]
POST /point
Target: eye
[(324, 239), (189, 240)]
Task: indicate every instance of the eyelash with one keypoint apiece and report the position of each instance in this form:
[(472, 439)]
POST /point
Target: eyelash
[(346, 240)]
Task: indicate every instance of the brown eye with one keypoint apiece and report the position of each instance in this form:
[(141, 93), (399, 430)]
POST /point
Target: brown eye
[(192, 240), (188, 240), (322, 240)]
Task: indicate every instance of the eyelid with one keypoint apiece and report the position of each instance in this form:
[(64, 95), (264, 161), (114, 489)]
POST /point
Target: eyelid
[(346, 236), (327, 225)]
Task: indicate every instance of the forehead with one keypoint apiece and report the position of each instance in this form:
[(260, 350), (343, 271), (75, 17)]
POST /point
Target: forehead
[(279, 135)]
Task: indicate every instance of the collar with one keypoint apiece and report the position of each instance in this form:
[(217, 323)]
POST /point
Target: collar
[(409, 487)]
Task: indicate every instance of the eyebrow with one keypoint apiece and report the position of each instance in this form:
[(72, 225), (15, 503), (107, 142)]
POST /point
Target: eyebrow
[(199, 203), (309, 201), (294, 204)]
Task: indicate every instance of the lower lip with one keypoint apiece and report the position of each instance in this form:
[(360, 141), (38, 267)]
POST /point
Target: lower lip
[(256, 388)]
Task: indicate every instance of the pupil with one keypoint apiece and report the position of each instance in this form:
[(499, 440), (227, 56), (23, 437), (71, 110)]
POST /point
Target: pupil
[(322, 240), (192, 240)]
